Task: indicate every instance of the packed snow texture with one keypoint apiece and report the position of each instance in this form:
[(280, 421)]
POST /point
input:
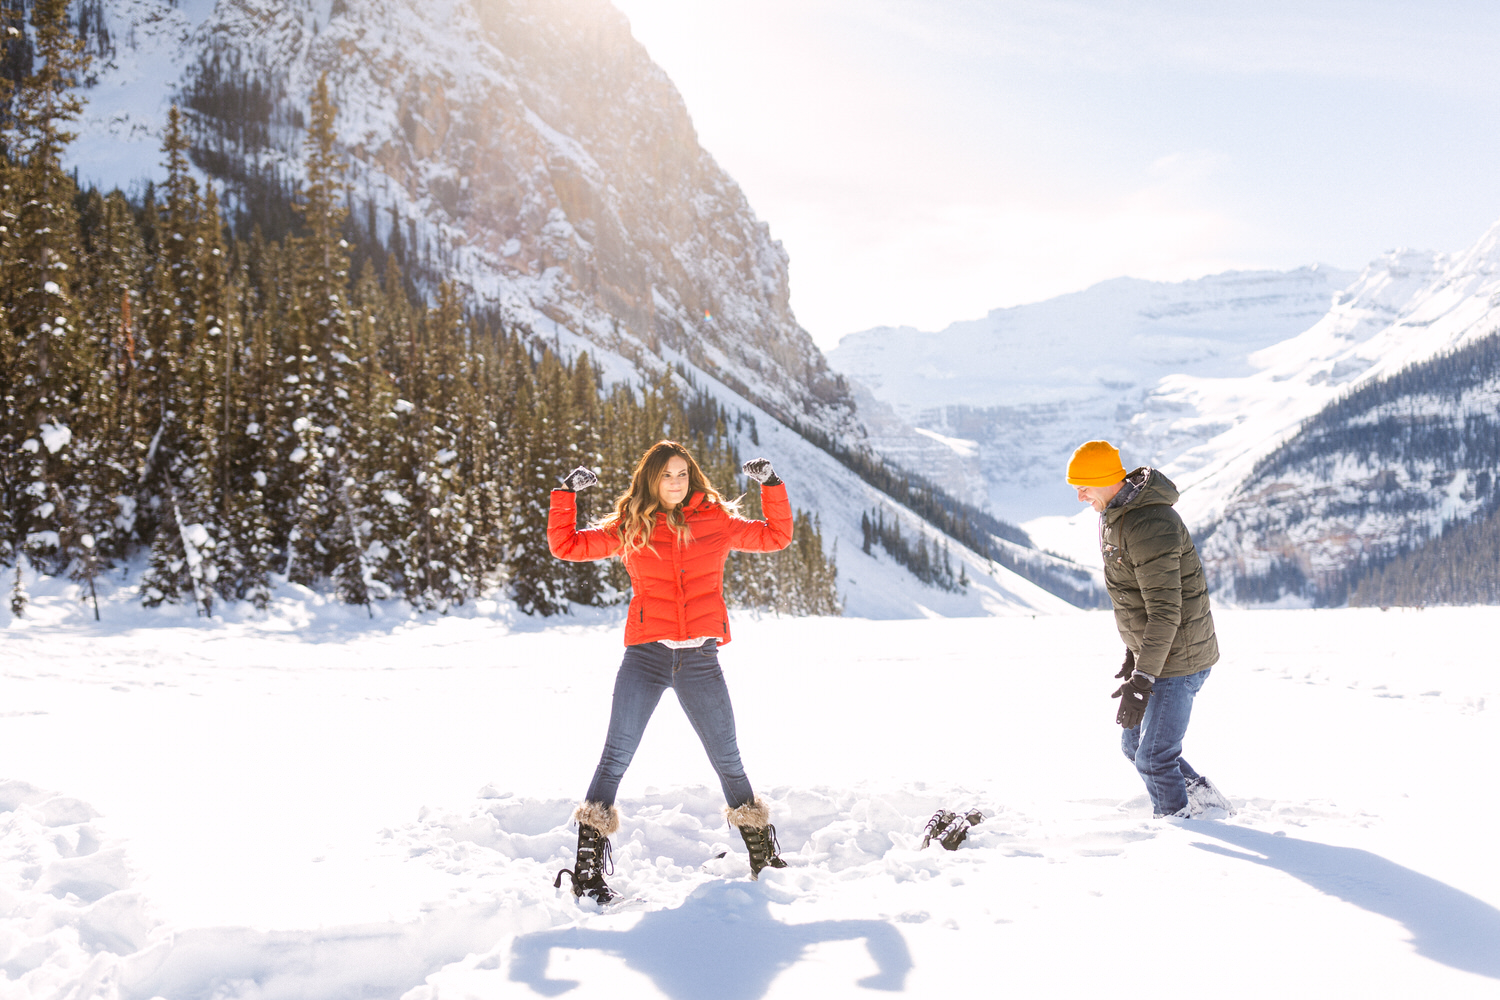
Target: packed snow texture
[(311, 803)]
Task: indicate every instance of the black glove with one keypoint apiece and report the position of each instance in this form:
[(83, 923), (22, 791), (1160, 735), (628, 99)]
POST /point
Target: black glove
[(1129, 667), (1133, 695), (759, 469), (579, 479)]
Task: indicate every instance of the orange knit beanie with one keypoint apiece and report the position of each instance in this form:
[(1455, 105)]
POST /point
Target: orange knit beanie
[(1095, 463)]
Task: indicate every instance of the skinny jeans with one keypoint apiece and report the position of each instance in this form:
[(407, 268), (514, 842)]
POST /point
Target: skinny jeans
[(1155, 746), (646, 672)]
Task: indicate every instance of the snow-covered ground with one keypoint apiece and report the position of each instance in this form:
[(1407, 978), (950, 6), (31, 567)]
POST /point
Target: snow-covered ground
[(316, 804)]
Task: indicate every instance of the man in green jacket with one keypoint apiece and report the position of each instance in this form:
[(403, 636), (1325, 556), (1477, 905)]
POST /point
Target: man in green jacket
[(1156, 583)]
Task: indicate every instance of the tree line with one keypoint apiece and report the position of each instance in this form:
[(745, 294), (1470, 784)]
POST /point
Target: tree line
[(243, 410), (1366, 423), (980, 531), (1399, 425), (1459, 566), (930, 564)]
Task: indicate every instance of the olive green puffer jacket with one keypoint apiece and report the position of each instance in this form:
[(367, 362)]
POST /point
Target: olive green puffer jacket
[(1156, 581)]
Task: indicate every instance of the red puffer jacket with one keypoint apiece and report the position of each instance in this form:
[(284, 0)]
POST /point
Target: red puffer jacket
[(677, 591)]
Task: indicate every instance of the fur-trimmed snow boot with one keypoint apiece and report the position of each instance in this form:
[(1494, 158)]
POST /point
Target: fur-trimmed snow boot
[(596, 821), (753, 820)]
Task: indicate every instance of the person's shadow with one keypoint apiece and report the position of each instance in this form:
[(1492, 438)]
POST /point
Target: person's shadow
[(1446, 924), (721, 942)]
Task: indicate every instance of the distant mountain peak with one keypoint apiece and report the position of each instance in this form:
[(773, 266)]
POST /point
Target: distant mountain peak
[(1027, 383)]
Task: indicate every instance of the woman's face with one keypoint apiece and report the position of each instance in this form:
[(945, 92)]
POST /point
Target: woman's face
[(672, 487)]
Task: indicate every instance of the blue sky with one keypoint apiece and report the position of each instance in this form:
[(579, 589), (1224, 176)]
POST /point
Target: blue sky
[(928, 161)]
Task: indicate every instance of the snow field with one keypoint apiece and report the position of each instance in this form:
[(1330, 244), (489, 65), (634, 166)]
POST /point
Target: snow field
[(316, 804)]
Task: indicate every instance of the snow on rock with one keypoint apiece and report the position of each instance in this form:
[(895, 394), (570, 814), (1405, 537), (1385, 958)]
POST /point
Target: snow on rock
[(1200, 380), (1406, 307), (533, 152), (1211, 431)]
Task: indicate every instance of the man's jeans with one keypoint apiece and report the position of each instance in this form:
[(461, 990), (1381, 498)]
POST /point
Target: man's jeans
[(1156, 744), (647, 670)]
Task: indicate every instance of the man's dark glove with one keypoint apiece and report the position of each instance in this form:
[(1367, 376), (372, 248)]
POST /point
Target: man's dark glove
[(1133, 695), (759, 469), (1129, 667), (579, 479)]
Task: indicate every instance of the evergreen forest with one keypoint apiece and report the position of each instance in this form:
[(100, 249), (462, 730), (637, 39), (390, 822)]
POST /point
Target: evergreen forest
[(930, 565), (228, 412), (1415, 422)]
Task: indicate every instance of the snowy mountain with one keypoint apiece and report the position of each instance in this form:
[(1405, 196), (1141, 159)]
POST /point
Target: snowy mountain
[(533, 152), (1003, 400), (1395, 443), (1290, 475), (530, 150), (1303, 460), (1375, 473)]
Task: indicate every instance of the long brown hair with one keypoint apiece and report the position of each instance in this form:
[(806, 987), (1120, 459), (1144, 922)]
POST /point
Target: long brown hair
[(634, 516)]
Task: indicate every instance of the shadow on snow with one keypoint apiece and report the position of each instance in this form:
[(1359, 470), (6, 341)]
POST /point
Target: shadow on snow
[(721, 942), (1446, 924)]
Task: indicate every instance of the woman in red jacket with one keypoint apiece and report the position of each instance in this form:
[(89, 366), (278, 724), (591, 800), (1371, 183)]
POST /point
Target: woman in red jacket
[(673, 531)]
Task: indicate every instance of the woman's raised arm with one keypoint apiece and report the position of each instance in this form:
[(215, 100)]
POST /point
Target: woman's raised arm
[(563, 536)]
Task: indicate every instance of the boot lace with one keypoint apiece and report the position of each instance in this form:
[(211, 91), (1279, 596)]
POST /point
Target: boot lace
[(764, 849), (595, 860)]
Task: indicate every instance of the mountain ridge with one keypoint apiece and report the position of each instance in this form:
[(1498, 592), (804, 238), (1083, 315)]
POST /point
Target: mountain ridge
[(529, 150), (1024, 385), (239, 71)]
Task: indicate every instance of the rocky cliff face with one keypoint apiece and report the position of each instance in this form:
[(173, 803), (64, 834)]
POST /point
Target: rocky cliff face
[(527, 148)]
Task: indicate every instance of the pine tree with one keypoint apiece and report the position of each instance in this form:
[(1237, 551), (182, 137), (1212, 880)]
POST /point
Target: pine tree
[(44, 352), (243, 411), (539, 450), (583, 582), (324, 539), (184, 459)]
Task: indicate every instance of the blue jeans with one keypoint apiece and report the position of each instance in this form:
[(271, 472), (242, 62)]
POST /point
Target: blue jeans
[(1155, 746), (647, 670)]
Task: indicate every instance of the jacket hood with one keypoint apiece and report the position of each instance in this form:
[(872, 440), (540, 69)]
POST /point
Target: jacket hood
[(1151, 487)]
